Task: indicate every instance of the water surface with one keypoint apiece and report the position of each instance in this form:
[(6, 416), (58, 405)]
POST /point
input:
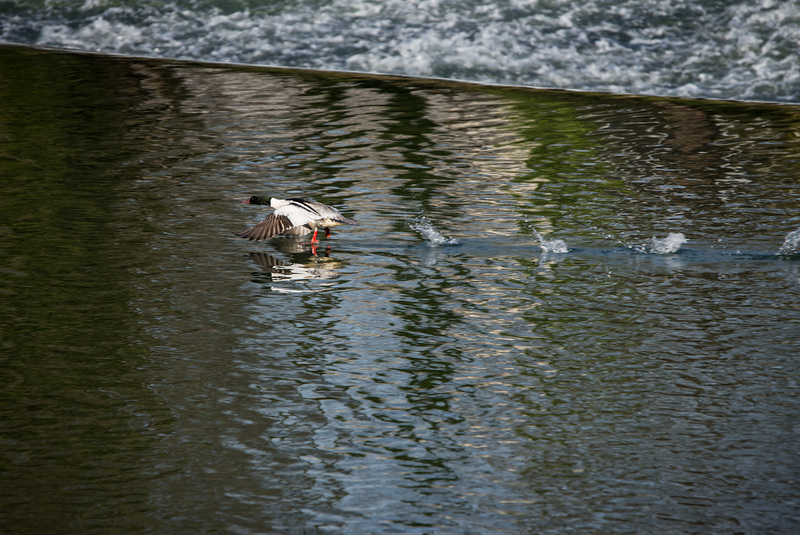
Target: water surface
[(441, 368)]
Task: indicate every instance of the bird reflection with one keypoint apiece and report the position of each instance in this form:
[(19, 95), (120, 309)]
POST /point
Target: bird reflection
[(302, 264)]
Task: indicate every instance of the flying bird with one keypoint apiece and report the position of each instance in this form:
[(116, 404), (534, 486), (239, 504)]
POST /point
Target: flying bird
[(294, 217)]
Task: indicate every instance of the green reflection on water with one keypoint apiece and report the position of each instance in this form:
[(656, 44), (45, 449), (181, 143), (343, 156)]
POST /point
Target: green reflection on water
[(72, 354)]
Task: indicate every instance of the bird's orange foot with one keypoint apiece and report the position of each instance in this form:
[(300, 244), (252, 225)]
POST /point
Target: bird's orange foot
[(314, 239)]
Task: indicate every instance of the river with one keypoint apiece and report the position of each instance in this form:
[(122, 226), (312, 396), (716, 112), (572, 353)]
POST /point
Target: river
[(561, 311)]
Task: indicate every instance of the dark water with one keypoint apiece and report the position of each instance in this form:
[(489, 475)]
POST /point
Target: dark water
[(439, 369)]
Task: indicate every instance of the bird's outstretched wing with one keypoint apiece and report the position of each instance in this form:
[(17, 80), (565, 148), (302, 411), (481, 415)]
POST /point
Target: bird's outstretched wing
[(273, 225)]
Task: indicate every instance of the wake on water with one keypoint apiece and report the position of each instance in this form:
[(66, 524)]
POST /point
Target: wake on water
[(434, 238), (673, 242), (668, 245)]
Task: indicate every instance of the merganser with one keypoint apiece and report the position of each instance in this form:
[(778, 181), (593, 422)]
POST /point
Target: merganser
[(294, 217)]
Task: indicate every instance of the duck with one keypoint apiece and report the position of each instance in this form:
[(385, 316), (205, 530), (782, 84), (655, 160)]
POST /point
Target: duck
[(294, 217)]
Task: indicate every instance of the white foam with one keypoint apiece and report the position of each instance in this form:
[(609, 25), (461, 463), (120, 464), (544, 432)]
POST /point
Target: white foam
[(433, 237), (554, 246), (549, 246), (746, 49), (791, 244), (671, 244)]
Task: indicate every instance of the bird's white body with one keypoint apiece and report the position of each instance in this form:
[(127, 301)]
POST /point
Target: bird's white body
[(312, 214)]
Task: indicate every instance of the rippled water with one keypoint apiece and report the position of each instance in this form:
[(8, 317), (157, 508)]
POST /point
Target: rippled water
[(561, 312)]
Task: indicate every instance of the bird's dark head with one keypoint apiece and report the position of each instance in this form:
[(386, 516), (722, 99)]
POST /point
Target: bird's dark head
[(255, 199)]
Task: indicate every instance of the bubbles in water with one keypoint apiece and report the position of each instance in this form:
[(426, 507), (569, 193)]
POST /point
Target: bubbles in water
[(791, 244), (430, 234), (668, 245)]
